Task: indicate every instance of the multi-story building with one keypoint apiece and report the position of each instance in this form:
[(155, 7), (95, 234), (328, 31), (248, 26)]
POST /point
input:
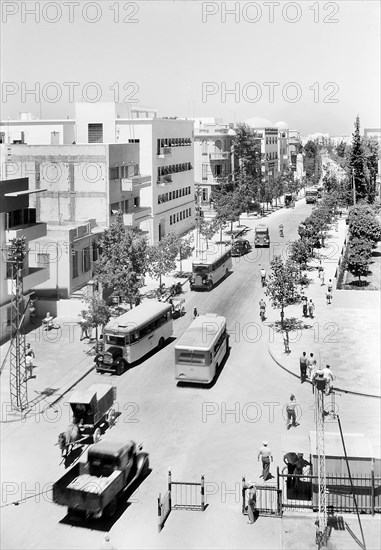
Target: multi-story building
[(17, 219), (268, 133), (213, 156), (296, 158), (284, 158), (166, 154)]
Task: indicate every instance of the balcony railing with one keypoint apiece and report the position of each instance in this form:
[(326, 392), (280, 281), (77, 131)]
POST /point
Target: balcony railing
[(135, 182), (165, 152), (219, 155), (139, 214), (30, 231)]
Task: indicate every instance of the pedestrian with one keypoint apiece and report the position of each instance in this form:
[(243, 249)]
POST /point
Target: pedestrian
[(28, 367), (328, 297), (29, 351), (330, 286), (300, 464), (291, 414), (304, 305), (195, 313), (251, 500), (290, 460), (311, 308), (329, 379), (84, 328), (322, 276), (137, 300), (303, 367), (311, 364), (266, 455)]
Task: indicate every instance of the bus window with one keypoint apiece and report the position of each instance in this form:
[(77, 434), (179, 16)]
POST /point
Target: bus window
[(115, 340)]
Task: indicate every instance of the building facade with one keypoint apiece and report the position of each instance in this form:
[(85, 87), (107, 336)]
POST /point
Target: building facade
[(268, 133), (213, 155), (18, 219)]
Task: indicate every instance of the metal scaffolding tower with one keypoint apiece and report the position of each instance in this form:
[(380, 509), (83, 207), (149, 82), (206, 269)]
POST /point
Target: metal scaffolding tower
[(15, 255), (321, 523)]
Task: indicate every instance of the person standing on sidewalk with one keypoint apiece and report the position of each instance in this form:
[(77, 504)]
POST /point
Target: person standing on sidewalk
[(251, 501), (28, 367), (303, 367), (329, 379), (304, 305), (311, 308), (266, 455), (328, 297), (322, 276), (311, 364), (195, 313)]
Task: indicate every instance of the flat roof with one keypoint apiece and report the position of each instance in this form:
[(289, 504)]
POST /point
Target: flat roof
[(201, 332), (137, 316), (209, 256), (86, 395)]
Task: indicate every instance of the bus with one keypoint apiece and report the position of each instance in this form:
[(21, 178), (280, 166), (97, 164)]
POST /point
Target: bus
[(207, 272), (132, 335), (201, 349), (262, 236), (311, 195)]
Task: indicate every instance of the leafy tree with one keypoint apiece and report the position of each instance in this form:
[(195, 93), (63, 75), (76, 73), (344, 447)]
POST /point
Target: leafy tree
[(97, 313), (247, 147), (122, 261), (229, 203), (185, 249), (363, 223), (208, 229), (357, 162), (371, 153), (162, 257), (309, 160), (300, 252), (282, 286), (359, 256)]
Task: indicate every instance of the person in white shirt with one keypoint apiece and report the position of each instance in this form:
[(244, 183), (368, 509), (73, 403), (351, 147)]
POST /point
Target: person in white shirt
[(266, 455), (329, 379)]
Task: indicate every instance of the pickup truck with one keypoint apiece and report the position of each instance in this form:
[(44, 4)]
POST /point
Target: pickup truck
[(93, 487)]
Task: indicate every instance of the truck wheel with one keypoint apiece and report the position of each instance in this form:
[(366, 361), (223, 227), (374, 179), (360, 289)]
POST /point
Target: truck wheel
[(210, 285), (111, 507), (161, 343), (97, 435)]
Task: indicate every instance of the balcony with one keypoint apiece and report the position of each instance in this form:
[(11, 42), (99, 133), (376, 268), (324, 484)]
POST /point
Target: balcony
[(219, 156), (165, 152), (30, 231), (135, 182), (32, 277), (139, 214), (162, 180)]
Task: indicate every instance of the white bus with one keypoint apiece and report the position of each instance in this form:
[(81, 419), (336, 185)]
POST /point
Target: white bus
[(131, 336), (213, 266), (201, 349)]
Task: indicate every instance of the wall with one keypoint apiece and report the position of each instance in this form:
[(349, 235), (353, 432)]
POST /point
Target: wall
[(95, 113), (38, 132)]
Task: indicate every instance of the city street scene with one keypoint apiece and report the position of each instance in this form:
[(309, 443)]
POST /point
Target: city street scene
[(190, 275)]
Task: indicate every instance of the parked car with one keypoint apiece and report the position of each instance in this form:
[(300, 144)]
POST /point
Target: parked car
[(241, 247)]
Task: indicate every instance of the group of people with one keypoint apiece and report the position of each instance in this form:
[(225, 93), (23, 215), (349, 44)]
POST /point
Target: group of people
[(309, 370), (308, 307)]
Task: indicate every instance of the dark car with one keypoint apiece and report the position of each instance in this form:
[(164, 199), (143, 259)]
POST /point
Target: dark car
[(241, 247)]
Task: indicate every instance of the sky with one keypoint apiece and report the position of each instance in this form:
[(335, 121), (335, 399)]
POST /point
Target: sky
[(313, 64)]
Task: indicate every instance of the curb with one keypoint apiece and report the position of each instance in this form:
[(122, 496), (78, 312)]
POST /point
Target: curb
[(309, 382)]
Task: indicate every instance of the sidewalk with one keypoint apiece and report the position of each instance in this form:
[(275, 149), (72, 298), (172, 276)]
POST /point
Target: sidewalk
[(344, 334)]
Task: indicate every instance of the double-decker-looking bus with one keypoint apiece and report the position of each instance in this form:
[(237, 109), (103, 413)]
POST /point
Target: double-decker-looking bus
[(213, 266), (201, 349), (131, 336)]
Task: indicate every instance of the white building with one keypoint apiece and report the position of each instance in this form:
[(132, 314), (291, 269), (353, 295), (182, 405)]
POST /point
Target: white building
[(213, 158), (273, 140)]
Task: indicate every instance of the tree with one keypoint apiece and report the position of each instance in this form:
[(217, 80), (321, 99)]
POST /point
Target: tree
[(247, 147), (359, 255), (96, 314), (208, 229), (185, 249), (363, 223), (357, 162), (122, 261), (162, 257), (371, 153), (229, 203), (300, 252), (282, 286)]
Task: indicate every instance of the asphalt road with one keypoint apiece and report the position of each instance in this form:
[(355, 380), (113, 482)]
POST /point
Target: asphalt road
[(193, 430)]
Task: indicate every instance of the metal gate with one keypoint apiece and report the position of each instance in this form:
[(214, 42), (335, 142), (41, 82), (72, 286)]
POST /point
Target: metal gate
[(269, 500)]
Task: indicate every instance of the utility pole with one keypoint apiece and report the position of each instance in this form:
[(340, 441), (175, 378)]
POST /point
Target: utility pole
[(15, 256), (321, 522)]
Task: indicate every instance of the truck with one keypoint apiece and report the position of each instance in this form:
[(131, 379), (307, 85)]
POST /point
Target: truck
[(311, 195), (92, 487), (262, 237)]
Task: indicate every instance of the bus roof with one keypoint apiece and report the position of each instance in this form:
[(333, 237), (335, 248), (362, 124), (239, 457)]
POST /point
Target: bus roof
[(211, 255), (202, 332), (137, 316)]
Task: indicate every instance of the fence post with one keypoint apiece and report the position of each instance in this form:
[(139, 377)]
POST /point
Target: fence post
[(372, 501), (202, 493), (159, 512), (170, 488)]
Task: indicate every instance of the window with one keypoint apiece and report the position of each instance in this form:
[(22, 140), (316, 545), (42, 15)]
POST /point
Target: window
[(95, 248), (177, 217), (181, 216), (170, 219), (74, 255), (204, 194), (218, 170), (114, 173), (204, 171), (219, 342), (95, 133)]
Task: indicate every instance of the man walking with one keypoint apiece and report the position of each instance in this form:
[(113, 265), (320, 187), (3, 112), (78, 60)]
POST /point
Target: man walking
[(303, 367), (329, 297), (311, 308), (251, 501), (329, 379), (322, 276), (266, 455), (291, 414), (304, 305), (311, 364)]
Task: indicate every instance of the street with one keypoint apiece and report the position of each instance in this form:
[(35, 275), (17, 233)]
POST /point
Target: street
[(214, 431)]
